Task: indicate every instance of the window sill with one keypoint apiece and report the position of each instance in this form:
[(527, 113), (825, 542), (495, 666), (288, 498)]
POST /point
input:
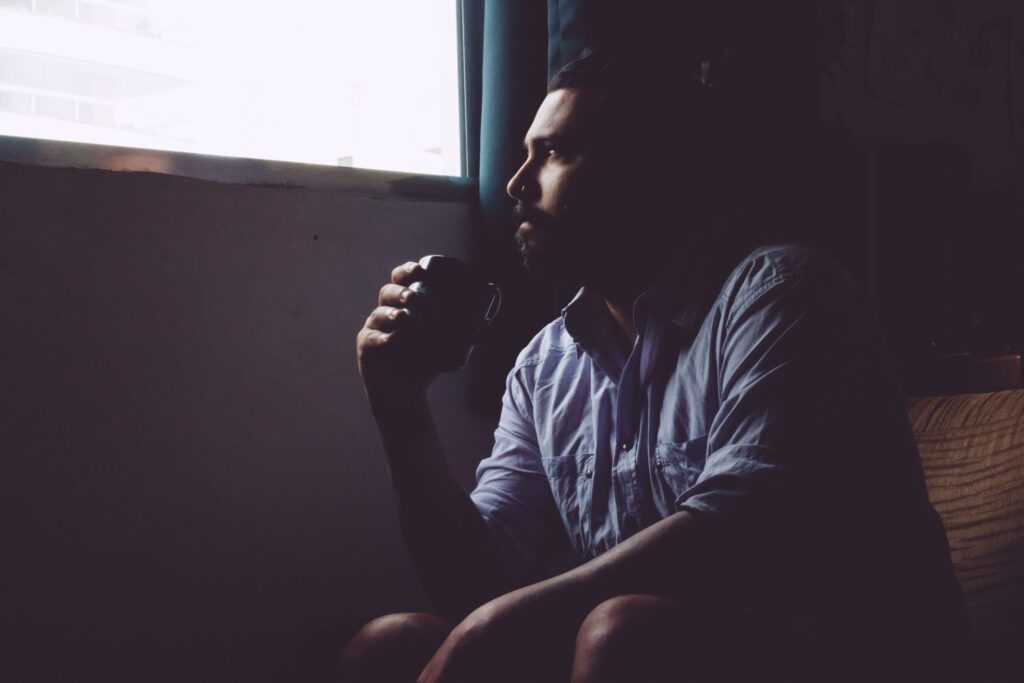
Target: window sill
[(238, 171)]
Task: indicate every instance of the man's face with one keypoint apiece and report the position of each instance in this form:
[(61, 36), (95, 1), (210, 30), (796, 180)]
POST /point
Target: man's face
[(558, 189)]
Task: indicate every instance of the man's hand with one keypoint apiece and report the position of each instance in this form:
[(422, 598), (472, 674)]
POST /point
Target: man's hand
[(389, 362), (454, 551)]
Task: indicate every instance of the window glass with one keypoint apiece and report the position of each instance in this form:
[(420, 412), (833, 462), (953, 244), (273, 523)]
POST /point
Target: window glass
[(366, 83)]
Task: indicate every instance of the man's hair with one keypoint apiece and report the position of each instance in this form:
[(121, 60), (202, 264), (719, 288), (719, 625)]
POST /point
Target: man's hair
[(609, 75), (661, 97), (654, 113), (678, 134), (589, 71), (702, 121)]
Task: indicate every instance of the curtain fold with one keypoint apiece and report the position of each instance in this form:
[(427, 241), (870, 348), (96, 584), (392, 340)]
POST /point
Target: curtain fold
[(568, 31), (514, 75), (505, 48)]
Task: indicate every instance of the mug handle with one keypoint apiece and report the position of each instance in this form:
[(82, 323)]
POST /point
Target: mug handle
[(495, 306)]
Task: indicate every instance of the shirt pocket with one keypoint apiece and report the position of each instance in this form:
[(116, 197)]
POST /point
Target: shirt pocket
[(675, 469), (572, 480)]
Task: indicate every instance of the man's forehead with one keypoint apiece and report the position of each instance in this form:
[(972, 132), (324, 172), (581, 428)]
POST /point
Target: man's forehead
[(560, 114)]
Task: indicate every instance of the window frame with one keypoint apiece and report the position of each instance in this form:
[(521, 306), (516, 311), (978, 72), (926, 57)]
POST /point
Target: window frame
[(258, 172), (235, 170)]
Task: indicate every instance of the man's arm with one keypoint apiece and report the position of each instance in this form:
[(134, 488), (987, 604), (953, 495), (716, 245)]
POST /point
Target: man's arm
[(667, 559), (454, 552)]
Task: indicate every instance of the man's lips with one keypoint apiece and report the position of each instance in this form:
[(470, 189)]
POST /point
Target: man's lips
[(532, 224), (527, 231), (526, 214)]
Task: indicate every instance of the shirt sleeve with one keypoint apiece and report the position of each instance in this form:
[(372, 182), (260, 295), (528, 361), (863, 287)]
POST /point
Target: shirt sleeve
[(796, 364), (513, 495)]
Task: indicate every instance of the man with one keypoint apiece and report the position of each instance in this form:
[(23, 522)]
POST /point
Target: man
[(717, 438)]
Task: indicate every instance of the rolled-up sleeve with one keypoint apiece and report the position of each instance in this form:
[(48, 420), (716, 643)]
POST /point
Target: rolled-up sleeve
[(794, 363), (513, 494)]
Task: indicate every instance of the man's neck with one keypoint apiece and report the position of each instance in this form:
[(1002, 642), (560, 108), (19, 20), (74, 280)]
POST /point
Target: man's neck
[(619, 301), (622, 317), (632, 278)]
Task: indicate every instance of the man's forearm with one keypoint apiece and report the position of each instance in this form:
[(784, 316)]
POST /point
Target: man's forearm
[(451, 546), (667, 559), (662, 559)]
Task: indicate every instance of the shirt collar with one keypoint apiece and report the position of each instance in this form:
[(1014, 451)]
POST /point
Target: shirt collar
[(682, 295)]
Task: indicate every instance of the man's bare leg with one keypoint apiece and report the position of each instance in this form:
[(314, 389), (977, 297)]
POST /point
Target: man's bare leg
[(630, 637), (655, 639), (393, 648)]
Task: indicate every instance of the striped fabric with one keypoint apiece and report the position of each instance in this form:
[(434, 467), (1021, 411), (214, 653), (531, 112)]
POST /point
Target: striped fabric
[(972, 449)]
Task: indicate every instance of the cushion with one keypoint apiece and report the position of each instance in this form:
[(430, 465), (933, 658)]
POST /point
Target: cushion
[(972, 449)]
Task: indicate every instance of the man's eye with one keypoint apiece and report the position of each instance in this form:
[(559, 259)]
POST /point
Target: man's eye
[(550, 152)]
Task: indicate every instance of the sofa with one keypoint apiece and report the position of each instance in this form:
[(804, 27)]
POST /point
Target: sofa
[(972, 450)]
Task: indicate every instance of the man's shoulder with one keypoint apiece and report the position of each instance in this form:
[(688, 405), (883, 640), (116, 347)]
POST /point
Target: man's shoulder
[(769, 266), (551, 354), (552, 344), (770, 263)]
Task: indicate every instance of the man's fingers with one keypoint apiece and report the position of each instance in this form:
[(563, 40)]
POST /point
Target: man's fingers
[(395, 296), (407, 273), (370, 338), (387, 318)]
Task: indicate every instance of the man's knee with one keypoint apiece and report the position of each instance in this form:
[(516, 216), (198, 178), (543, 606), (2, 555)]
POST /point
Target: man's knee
[(621, 633), (620, 618), (394, 647)]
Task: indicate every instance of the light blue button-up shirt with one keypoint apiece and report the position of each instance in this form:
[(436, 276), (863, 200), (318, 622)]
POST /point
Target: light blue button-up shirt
[(747, 395)]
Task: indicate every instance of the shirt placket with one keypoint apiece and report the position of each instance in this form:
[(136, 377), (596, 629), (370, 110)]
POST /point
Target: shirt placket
[(631, 443), (633, 416), (625, 445)]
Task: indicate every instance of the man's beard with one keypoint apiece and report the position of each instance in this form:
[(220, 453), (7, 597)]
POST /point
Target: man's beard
[(557, 250), (605, 247), (533, 259)]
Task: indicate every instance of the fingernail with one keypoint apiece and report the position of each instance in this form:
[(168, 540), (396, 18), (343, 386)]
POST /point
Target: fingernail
[(394, 313), (405, 296)]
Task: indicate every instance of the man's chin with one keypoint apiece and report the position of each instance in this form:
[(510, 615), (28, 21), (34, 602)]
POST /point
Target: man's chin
[(532, 258), (533, 261), (543, 259), (545, 270)]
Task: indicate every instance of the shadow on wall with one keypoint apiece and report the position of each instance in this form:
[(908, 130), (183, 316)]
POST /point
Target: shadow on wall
[(193, 486)]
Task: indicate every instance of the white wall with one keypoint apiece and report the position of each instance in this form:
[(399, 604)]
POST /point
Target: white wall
[(191, 487)]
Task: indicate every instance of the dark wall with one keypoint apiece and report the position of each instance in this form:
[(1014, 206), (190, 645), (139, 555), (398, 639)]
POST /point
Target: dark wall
[(926, 71), (926, 100), (191, 487)]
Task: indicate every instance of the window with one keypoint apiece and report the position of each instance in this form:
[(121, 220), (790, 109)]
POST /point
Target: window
[(365, 83)]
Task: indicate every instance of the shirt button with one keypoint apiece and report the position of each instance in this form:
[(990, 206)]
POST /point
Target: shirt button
[(659, 464), (588, 474), (626, 446)]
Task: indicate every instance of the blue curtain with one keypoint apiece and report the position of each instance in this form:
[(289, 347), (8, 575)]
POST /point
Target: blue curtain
[(504, 76)]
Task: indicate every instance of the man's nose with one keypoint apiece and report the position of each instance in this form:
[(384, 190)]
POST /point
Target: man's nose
[(519, 187)]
